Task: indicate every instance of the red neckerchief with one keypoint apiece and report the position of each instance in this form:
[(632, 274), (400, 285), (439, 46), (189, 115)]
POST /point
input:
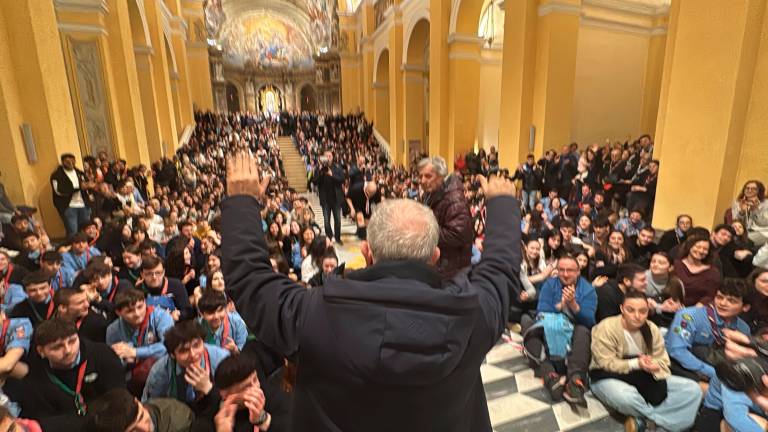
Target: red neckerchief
[(111, 295), (7, 278), (225, 331), (49, 314), (144, 325), (95, 239), (6, 323), (79, 322)]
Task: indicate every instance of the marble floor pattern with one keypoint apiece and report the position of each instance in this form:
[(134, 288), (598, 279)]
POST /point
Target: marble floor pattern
[(517, 401)]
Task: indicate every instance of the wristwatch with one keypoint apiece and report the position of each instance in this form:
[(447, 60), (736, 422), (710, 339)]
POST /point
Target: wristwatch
[(262, 418)]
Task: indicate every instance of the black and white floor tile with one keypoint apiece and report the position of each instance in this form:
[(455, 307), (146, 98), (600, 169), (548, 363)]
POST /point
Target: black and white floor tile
[(518, 402)]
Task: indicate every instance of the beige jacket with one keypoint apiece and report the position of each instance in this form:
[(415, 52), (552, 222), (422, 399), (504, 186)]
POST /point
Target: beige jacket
[(609, 348)]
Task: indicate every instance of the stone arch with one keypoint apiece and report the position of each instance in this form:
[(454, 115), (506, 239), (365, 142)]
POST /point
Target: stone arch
[(419, 19), (418, 40), (381, 94), (138, 21), (465, 14)]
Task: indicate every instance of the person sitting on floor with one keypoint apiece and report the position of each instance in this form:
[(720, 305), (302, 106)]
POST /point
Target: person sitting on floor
[(186, 371), (630, 370), (696, 331), (222, 328), (103, 287), (72, 305), (39, 305), (167, 293), (80, 254), (73, 372), (610, 297), (559, 340), (119, 411), (61, 277)]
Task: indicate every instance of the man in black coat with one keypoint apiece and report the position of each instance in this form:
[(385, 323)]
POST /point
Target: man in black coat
[(391, 347), (71, 194), (329, 177)]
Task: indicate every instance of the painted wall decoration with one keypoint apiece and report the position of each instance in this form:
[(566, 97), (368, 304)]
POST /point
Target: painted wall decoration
[(265, 40), (91, 97), (214, 17)]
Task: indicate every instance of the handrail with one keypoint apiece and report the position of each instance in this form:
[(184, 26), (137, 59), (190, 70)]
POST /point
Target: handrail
[(383, 143)]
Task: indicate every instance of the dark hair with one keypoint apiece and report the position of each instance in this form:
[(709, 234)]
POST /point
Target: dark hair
[(280, 261), (52, 257), (234, 369), (132, 249), (175, 266), (62, 296), (115, 410), (601, 222), (29, 234), (211, 301), (738, 288), (726, 227), (128, 297), (96, 269), (674, 288), (648, 228), (182, 333), (148, 262), (677, 221), (35, 278), (548, 251), (51, 330), (79, 237), (692, 240), (628, 271), (645, 330)]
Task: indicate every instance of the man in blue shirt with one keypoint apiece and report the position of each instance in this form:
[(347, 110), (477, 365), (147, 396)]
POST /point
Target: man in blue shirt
[(15, 335), (80, 254), (696, 331), (735, 408), (223, 329), (560, 339), (137, 336), (186, 371), (62, 277)]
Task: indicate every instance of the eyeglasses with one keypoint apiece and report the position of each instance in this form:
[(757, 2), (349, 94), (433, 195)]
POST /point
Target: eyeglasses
[(156, 273), (569, 270)]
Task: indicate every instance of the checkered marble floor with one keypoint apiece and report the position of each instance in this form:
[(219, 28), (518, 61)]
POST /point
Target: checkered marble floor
[(518, 402)]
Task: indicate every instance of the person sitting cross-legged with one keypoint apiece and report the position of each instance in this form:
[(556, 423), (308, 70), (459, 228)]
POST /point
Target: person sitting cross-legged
[(137, 335), (630, 370), (186, 371), (559, 340), (119, 411), (696, 331)]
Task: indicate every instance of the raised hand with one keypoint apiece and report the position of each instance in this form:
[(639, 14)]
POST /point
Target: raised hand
[(497, 186), (245, 177)]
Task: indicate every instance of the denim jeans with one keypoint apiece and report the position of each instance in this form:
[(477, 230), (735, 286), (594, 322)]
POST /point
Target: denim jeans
[(529, 199), (676, 413), (73, 217)]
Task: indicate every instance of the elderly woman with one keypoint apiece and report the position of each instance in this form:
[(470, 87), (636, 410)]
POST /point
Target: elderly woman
[(751, 207)]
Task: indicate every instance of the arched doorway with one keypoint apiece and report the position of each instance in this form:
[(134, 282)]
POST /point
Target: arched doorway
[(233, 98), (308, 98), (381, 95), (416, 91)]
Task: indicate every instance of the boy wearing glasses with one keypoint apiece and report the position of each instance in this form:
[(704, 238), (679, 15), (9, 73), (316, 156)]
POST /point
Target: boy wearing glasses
[(164, 292)]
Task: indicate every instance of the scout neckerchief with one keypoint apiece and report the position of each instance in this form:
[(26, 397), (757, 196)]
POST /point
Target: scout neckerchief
[(144, 325), (7, 278), (48, 314), (77, 392), (211, 339), (87, 258), (6, 323), (716, 331), (173, 389), (111, 296)]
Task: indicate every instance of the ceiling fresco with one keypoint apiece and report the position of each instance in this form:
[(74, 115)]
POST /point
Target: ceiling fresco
[(271, 33)]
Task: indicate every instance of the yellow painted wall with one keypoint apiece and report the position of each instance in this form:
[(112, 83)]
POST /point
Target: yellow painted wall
[(489, 100), (608, 90)]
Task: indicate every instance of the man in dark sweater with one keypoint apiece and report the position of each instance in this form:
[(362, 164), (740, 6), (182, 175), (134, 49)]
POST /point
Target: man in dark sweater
[(73, 305), (642, 246), (71, 374), (610, 296), (165, 292), (38, 306), (119, 411)]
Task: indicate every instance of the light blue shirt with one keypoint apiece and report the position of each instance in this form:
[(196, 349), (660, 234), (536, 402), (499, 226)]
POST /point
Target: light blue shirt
[(152, 343), (238, 331), (77, 263), (14, 295), (18, 335), (159, 379)]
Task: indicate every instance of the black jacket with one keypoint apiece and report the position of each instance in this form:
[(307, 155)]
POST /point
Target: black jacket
[(389, 348), (62, 193), (42, 400), (329, 186)]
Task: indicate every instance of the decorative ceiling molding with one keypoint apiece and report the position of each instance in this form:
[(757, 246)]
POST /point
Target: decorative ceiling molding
[(638, 7), (561, 8), (87, 6)]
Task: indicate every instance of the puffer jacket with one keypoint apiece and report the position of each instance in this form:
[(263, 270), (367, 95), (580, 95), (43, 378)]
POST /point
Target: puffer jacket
[(456, 234)]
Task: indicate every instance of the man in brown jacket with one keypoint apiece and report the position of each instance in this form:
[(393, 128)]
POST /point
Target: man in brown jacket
[(444, 194)]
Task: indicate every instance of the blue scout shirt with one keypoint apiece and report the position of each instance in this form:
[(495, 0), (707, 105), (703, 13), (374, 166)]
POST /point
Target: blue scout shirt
[(735, 406), (166, 372), (77, 263), (14, 294), (152, 334), (691, 326), (64, 278), (17, 334), (233, 326)]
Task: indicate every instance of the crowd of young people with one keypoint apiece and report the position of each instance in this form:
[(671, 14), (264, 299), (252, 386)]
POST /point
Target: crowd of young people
[(126, 325)]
